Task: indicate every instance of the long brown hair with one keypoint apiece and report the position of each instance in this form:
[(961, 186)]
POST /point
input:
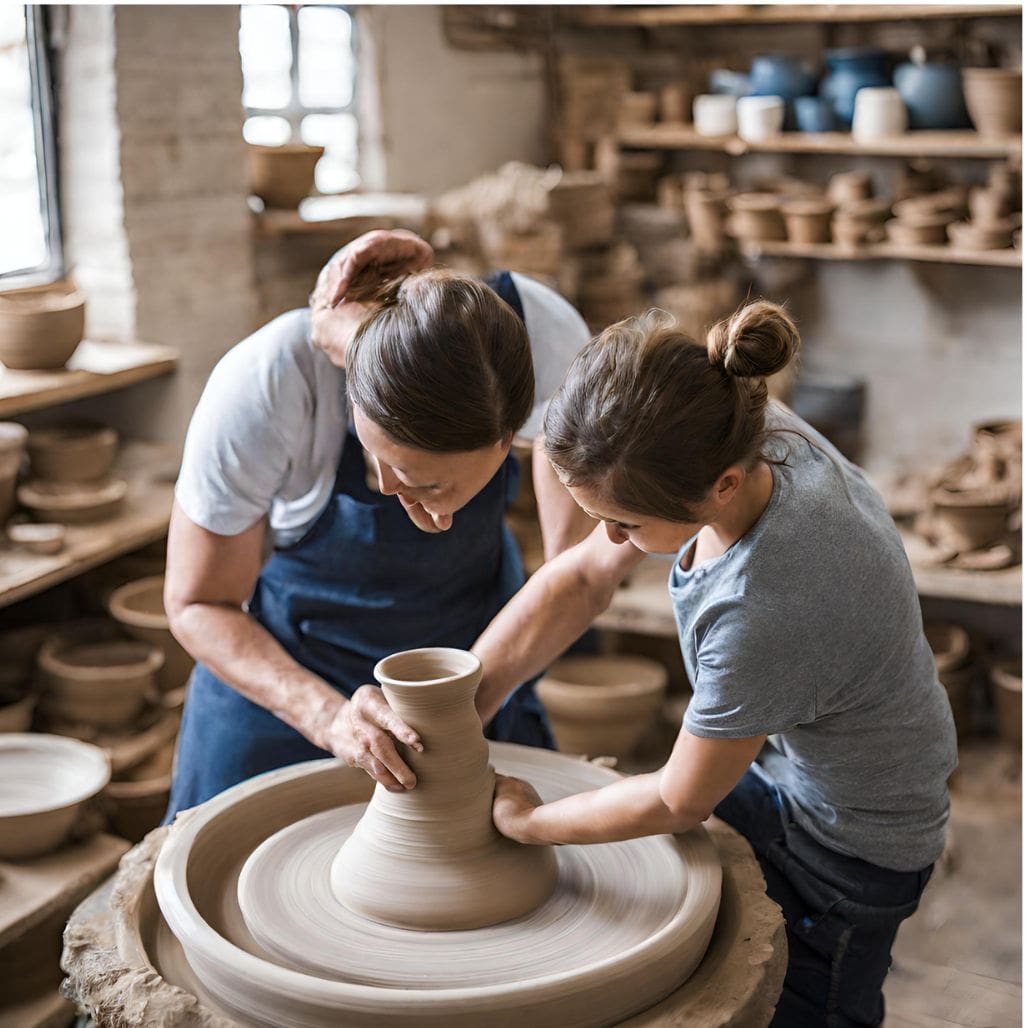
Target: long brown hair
[(441, 363), (650, 418)]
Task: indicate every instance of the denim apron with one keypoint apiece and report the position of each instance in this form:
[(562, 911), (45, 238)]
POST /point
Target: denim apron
[(363, 582)]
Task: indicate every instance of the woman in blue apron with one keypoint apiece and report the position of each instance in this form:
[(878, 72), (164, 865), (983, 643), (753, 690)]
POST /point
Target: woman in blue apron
[(364, 581)]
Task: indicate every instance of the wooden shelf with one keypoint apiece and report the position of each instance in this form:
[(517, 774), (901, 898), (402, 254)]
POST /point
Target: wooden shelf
[(346, 216), (733, 14), (884, 251), (150, 471), (964, 143), (95, 368)]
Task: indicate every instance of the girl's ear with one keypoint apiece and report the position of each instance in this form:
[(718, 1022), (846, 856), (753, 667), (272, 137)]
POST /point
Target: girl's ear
[(726, 486)]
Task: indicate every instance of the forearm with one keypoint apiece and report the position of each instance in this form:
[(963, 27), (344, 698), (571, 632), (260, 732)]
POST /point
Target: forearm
[(627, 809), (242, 653), (564, 524)]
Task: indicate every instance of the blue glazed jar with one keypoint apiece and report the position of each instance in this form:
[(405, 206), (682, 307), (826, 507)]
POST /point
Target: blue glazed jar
[(850, 70), (779, 75), (814, 114), (933, 94)]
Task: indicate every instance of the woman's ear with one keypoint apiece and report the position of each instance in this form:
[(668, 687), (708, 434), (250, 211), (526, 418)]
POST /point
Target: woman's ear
[(727, 485)]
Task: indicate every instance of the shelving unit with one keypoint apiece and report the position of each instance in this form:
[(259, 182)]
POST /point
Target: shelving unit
[(737, 14), (884, 252), (962, 143)]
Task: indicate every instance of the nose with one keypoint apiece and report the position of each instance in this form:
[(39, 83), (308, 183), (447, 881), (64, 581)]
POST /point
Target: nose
[(616, 535), (388, 483)]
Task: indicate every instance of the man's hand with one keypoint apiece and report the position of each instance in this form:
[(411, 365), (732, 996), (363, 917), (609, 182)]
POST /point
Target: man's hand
[(362, 732), (513, 804)]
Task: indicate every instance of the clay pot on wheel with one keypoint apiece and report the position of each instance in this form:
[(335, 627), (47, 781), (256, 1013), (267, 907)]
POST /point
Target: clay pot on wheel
[(139, 608), (993, 97), (44, 782), (72, 453), (12, 448), (1005, 679), (602, 706), (40, 328)]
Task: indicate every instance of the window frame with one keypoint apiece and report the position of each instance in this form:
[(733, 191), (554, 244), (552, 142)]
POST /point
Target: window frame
[(44, 110)]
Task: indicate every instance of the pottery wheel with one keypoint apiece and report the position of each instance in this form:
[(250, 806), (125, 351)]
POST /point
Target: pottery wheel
[(609, 899)]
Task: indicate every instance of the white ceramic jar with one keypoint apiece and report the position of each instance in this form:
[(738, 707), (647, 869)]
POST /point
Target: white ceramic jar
[(878, 112), (713, 114), (759, 117)]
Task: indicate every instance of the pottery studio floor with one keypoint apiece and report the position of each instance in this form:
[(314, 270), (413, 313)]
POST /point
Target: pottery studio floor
[(957, 961)]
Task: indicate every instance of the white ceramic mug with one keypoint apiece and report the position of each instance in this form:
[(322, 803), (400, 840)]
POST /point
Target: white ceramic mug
[(759, 117), (878, 111), (713, 114)]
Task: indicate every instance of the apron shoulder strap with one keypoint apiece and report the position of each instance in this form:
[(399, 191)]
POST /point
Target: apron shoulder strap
[(502, 284)]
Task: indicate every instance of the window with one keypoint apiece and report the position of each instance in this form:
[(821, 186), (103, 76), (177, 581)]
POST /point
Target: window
[(299, 71), (30, 240)]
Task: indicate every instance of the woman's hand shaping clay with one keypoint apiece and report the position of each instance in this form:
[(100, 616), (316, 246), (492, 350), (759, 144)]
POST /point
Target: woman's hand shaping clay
[(362, 731), (513, 804)]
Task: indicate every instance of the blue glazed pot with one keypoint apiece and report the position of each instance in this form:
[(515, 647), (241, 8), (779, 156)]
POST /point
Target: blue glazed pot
[(814, 114), (934, 95), (778, 75), (729, 83), (849, 71)]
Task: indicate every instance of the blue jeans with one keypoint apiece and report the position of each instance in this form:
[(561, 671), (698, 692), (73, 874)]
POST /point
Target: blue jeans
[(841, 913)]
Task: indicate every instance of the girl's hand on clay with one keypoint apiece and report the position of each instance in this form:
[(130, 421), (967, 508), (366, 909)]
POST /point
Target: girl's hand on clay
[(513, 804), (363, 734)]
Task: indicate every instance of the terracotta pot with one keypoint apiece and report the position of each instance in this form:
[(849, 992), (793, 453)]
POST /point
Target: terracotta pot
[(756, 217), (927, 230), (989, 205), (808, 221), (282, 176), (12, 449), (602, 706), (40, 329), (1005, 680), (849, 187), (101, 683), (139, 608), (17, 716), (971, 521), (978, 235), (73, 503), (136, 803), (38, 537), (44, 782), (706, 213), (993, 97), (72, 453)]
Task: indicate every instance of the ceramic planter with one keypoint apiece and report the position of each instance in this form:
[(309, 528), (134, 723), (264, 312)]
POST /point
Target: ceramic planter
[(808, 221), (757, 217), (72, 453), (139, 608), (40, 329), (102, 683), (933, 95), (759, 117), (45, 780), (713, 114), (73, 503), (878, 113), (602, 706), (282, 176), (993, 97), (849, 71), (1005, 680), (12, 449)]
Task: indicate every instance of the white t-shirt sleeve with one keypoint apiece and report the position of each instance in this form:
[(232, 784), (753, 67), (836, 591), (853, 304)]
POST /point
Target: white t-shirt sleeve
[(556, 332), (237, 452)]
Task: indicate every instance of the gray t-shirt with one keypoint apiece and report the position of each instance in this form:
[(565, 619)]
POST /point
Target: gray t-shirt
[(268, 432), (808, 630)]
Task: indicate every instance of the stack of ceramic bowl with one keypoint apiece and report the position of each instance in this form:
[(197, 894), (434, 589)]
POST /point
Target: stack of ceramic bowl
[(137, 798), (957, 670), (923, 220), (602, 706), (41, 328), (71, 482), (756, 217), (993, 97)]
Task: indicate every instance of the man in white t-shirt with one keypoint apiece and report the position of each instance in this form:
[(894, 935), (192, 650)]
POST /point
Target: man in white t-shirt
[(379, 494)]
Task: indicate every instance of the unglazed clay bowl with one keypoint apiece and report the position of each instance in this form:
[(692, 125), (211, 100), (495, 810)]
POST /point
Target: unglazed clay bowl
[(40, 329), (808, 221), (136, 802), (38, 537), (72, 453), (756, 217), (139, 608), (104, 683), (602, 706), (968, 520), (44, 782), (73, 503)]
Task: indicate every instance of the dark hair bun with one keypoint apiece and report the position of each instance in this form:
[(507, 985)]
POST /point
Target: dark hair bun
[(756, 341)]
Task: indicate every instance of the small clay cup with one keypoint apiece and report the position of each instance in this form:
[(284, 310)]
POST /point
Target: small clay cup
[(808, 221), (40, 329), (993, 97), (44, 782), (602, 706), (757, 217), (1005, 681), (72, 453)]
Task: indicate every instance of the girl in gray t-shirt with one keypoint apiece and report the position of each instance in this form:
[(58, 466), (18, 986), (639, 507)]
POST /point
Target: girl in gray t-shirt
[(817, 727)]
